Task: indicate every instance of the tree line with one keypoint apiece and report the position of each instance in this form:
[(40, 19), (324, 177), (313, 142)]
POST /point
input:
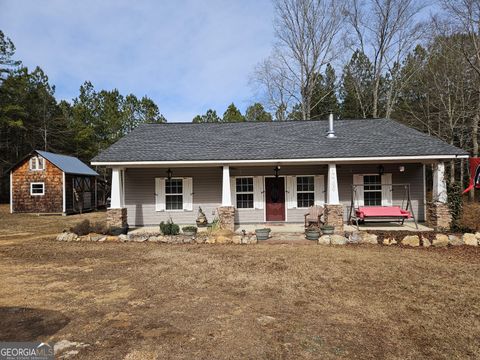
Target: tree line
[(414, 61)]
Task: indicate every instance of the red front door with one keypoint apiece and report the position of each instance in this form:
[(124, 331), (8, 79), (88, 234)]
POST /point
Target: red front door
[(275, 199)]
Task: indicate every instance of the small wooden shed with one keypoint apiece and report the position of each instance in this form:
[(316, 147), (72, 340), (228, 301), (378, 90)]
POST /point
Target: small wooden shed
[(44, 182)]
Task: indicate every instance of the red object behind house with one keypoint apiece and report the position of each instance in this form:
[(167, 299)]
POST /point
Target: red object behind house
[(474, 175), (382, 211)]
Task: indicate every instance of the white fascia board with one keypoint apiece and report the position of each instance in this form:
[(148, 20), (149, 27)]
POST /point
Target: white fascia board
[(280, 161)]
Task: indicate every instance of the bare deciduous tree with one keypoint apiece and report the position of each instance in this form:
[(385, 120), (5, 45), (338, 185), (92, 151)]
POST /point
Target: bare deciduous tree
[(306, 32)]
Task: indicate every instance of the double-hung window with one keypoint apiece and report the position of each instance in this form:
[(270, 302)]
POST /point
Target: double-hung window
[(372, 190), (174, 194), (244, 192), (305, 191)]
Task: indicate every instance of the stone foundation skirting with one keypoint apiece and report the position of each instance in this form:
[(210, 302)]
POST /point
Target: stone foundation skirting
[(333, 216), (438, 216), (226, 217), (117, 218)]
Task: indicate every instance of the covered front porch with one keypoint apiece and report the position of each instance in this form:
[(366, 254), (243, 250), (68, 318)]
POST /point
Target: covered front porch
[(277, 193)]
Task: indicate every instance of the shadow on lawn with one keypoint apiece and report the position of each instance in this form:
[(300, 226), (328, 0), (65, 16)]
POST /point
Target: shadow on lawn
[(26, 324)]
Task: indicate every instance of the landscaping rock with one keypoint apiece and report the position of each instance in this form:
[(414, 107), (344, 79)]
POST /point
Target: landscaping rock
[(470, 239), (237, 239), (139, 238), (362, 237), (95, 237), (369, 239), (67, 236), (338, 240), (221, 239), (477, 235), (411, 240), (354, 237), (102, 239), (111, 238), (440, 240), (124, 238), (389, 241), (455, 240), (265, 320), (426, 242), (324, 240)]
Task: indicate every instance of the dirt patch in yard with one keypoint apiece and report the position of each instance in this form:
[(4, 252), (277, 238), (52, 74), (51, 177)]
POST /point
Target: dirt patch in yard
[(149, 300)]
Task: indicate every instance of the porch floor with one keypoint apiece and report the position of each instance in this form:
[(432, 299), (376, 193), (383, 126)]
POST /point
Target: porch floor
[(298, 228)]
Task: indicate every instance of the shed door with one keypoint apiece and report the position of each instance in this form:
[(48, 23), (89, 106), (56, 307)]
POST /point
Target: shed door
[(275, 199)]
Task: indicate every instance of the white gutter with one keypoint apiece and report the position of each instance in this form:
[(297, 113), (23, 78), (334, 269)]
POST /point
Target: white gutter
[(277, 161)]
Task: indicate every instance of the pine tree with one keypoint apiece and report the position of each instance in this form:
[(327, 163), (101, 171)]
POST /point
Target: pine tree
[(232, 114), (256, 112)]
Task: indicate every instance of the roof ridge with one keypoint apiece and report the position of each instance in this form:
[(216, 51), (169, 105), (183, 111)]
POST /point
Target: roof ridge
[(259, 122)]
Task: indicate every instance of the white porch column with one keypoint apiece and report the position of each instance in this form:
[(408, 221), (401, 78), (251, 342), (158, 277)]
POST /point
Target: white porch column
[(226, 191), (439, 191), (332, 185), (116, 198)]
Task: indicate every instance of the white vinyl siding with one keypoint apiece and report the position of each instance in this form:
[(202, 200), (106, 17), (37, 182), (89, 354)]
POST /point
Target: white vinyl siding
[(175, 194)]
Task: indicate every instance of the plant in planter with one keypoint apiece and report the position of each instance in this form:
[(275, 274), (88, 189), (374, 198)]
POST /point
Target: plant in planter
[(189, 230), (201, 218), (262, 234), (327, 229), (312, 232)]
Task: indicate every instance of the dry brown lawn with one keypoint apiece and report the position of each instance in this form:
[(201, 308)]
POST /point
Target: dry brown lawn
[(149, 300)]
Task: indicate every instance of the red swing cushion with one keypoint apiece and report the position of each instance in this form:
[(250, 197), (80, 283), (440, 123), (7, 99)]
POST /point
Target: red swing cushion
[(364, 212)]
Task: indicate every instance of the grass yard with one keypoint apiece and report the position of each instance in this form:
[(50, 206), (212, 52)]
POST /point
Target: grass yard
[(150, 300)]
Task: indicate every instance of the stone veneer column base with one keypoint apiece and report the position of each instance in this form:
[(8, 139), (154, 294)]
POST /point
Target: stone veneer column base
[(226, 217), (117, 218), (438, 216), (333, 216)]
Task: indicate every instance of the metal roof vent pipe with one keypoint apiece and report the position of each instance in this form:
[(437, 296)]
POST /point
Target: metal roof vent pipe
[(331, 132)]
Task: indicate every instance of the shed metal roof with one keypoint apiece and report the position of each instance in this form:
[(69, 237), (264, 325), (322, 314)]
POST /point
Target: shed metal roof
[(273, 140), (68, 164)]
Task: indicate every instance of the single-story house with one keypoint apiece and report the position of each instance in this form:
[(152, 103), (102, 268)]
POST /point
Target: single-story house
[(273, 171), (44, 182)]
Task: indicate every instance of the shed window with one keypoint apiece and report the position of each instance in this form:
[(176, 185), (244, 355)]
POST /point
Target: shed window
[(244, 191), (174, 194), (37, 163), (305, 191), (37, 188), (372, 190)]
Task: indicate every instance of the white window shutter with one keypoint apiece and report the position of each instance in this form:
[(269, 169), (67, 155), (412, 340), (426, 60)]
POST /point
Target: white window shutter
[(159, 194), (387, 190), (291, 192), (319, 184), (358, 194), (188, 194), (233, 191), (258, 192)]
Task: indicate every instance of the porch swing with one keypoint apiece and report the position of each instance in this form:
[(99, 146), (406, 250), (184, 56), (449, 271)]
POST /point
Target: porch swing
[(391, 213)]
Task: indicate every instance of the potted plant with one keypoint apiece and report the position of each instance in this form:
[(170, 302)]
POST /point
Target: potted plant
[(262, 234), (189, 230), (312, 233), (327, 229)]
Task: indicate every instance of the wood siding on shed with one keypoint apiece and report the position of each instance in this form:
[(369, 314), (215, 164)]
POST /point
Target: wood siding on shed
[(207, 190), (50, 202)]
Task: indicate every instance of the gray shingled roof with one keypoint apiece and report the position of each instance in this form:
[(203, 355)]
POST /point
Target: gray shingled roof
[(274, 140), (68, 164)]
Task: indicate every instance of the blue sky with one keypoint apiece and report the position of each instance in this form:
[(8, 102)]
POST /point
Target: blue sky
[(187, 55)]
